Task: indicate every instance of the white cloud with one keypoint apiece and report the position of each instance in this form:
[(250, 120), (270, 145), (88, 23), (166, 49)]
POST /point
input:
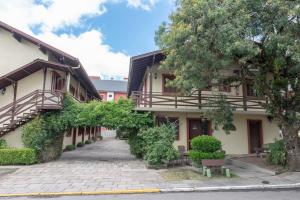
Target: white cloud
[(143, 4), (96, 57), (50, 15)]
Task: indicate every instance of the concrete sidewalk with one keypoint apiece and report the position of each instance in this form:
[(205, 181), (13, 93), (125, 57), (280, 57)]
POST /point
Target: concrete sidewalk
[(108, 166)]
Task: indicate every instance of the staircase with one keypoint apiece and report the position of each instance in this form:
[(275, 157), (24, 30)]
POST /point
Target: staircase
[(28, 107)]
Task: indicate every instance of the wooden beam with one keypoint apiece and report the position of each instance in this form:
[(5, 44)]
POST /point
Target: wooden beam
[(15, 86), (44, 84), (43, 49), (17, 37), (150, 92)]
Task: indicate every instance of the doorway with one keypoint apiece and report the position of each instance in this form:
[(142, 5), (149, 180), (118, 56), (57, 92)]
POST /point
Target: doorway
[(255, 135), (196, 127)]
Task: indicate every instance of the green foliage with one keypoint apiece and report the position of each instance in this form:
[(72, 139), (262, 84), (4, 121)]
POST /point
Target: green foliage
[(205, 147), (206, 144), (277, 154), (34, 136), (259, 38), (159, 144), (80, 144), (137, 145), (88, 142), (3, 144), (12, 156), (49, 127), (70, 147)]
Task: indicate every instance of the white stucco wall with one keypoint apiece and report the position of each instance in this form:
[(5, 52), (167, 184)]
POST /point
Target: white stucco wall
[(15, 54), (234, 143), (14, 138)]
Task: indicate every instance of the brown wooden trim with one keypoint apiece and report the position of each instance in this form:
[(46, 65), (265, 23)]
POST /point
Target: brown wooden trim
[(260, 132), (188, 129), (151, 83), (15, 87)]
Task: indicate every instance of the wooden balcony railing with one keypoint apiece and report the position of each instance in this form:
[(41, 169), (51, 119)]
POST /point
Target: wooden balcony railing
[(203, 101), (38, 100)]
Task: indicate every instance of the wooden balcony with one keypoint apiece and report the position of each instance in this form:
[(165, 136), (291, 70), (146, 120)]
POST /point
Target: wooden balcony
[(26, 108), (156, 101)]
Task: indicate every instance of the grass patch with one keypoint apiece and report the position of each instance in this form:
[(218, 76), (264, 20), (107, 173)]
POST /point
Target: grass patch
[(182, 174)]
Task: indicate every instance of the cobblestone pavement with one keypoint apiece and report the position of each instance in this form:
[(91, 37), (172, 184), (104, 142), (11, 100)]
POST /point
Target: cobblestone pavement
[(104, 165), (108, 165)]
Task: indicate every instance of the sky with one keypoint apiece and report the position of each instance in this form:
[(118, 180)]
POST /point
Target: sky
[(103, 34)]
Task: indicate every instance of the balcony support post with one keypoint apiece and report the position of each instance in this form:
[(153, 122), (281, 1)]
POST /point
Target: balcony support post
[(44, 85), (67, 85), (15, 86), (244, 88), (199, 99), (150, 92)]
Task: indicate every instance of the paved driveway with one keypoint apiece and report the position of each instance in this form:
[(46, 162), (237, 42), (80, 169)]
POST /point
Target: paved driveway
[(104, 165), (108, 165)]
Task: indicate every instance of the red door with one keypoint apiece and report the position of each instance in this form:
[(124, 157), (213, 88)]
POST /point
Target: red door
[(74, 136), (255, 138), (197, 127)]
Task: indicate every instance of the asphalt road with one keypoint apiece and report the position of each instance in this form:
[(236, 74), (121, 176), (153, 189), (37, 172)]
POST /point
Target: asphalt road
[(251, 195)]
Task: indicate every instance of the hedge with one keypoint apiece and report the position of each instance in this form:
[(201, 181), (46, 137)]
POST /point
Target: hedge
[(23, 156)]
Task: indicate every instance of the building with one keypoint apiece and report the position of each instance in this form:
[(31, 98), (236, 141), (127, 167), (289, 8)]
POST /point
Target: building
[(110, 90), (147, 87), (33, 78)]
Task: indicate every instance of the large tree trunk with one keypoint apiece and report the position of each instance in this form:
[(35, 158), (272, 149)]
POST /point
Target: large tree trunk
[(290, 138)]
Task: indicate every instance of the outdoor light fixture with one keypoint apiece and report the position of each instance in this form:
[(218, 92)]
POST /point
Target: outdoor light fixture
[(155, 75), (3, 91)]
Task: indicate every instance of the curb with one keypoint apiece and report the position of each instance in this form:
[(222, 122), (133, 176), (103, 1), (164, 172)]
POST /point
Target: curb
[(155, 190), (232, 188), (112, 192)]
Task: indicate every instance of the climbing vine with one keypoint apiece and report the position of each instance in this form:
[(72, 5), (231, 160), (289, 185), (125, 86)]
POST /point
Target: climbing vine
[(45, 133)]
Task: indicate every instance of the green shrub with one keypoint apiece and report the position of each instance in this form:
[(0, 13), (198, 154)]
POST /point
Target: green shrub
[(277, 154), (100, 137), (198, 156), (159, 144), (23, 156), (137, 146), (206, 143), (70, 147), (3, 144), (80, 144), (88, 142), (205, 147), (94, 139)]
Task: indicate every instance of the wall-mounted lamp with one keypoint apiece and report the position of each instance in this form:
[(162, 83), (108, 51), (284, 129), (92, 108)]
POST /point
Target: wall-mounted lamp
[(3, 91), (155, 75)]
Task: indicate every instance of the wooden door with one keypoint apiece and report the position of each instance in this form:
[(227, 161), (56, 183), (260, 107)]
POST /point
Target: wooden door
[(255, 135), (197, 127), (74, 136)]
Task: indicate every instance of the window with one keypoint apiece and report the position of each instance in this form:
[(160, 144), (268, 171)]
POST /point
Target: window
[(224, 88), (57, 81), (250, 90), (173, 120), (110, 95), (166, 88)]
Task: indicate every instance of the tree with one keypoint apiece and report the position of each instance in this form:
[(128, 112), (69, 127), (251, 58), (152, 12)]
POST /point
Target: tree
[(261, 38)]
